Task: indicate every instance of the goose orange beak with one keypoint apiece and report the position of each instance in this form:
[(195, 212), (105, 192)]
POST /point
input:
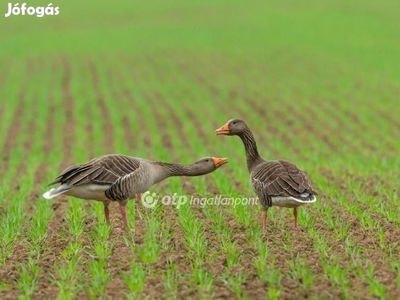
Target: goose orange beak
[(224, 130), (219, 161)]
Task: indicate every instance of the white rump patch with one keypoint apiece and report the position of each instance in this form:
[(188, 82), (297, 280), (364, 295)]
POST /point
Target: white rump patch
[(291, 201), (85, 191), (49, 194), (56, 191)]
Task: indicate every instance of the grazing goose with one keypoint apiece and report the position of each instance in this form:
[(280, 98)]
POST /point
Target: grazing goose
[(116, 177), (276, 182)]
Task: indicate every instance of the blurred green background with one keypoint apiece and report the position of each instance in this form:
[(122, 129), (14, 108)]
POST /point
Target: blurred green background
[(363, 34), (338, 59)]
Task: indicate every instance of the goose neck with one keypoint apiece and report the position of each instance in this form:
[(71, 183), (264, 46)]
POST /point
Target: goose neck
[(171, 169), (250, 147)]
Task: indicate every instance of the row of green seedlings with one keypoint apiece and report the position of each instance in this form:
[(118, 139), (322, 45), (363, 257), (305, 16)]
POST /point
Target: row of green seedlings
[(300, 272), (11, 222), (334, 272), (144, 92), (99, 253), (148, 253), (388, 208), (11, 226), (37, 231), (139, 92), (197, 247), (391, 206), (297, 268), (330, 110), (155, 240), (68, 275), (157, 234), (116, 86), (234, 281), (79, 262), (338, 275), (248, 216), (36, 238), (371, 226), (339, 110), (337, 141)]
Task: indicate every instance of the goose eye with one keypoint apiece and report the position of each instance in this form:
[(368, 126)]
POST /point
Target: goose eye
[(234, 123), (206, 160)]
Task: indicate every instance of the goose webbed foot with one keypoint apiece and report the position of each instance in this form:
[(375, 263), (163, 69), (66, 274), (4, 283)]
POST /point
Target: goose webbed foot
[(123, 229)]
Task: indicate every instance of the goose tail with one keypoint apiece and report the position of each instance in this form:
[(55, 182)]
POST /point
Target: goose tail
[(50, 194)]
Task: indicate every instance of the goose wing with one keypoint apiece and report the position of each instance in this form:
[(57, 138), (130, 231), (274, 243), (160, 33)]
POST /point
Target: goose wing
[(101, 170), (280, 178), (127, 186)]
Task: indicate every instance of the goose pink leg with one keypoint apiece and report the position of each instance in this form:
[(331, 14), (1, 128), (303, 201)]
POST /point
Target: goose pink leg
[(123, 215), (107, 214), (295, 217), (125, 226), (264, 220), (138, 198)]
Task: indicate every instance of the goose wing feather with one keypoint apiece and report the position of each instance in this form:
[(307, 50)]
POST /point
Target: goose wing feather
[(105, 169), (127, 186), (280, 178)]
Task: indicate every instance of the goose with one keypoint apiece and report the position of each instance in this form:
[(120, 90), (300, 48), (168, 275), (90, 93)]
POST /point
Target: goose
[(275, 182), (116, 177)]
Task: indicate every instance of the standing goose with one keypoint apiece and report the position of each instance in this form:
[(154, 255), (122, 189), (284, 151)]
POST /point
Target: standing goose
[(276, 182), (116, 177)]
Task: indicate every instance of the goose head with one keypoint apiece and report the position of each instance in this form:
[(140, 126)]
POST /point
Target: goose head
[(208, 164), (232, 127)]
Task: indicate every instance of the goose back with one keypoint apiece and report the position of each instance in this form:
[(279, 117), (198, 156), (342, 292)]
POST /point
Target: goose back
[(102, 170)]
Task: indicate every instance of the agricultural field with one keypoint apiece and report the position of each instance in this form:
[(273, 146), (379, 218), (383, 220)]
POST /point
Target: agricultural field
[(317, 82)]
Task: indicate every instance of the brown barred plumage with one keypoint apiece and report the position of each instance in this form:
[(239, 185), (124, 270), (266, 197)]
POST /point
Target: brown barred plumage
[(116, 177), (276, 182)]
